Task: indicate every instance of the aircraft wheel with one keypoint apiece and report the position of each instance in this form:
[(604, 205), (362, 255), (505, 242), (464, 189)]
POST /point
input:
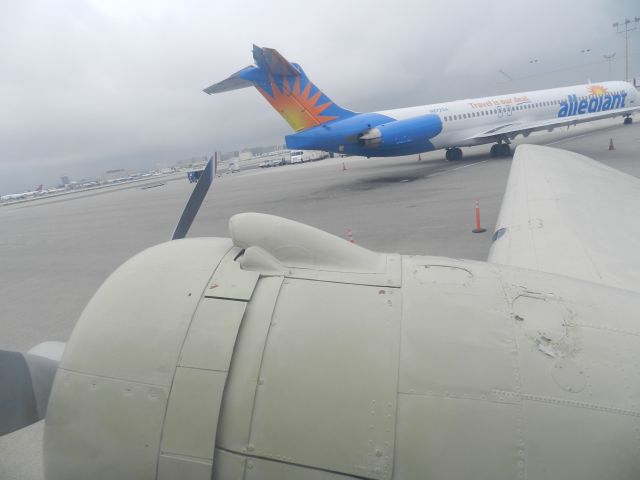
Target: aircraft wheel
[(504, 150), (628, 120), (494, 152)]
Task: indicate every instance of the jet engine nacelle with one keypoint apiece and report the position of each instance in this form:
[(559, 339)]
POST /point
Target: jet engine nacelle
[(416, 131), (288, 353)]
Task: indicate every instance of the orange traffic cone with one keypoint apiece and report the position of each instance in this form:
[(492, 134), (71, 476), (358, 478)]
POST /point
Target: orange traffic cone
[(611, 147), (478, 228), (350, 235)]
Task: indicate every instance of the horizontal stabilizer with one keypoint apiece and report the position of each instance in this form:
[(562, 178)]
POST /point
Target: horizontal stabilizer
[(234, 82)]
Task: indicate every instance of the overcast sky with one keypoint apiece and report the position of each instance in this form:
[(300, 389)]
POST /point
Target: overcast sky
[(91, 85)]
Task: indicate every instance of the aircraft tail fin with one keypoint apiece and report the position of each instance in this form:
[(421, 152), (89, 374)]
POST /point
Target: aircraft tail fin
[(287, 88)]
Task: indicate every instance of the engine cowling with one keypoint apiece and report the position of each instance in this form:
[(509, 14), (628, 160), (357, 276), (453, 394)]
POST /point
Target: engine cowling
[(399, 133), (286, 352)]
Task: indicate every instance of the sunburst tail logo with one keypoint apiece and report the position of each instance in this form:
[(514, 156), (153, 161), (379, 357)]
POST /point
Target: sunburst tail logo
[(300, 104), (287, 88)]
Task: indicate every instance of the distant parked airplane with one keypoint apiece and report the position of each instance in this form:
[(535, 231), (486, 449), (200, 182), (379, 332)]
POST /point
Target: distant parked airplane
[(321, 124)]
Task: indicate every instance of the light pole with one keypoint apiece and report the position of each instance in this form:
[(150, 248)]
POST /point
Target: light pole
[(506, 74), (609, 59), (625, 28)]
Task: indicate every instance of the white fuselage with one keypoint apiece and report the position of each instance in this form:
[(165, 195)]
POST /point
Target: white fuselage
[(462, 119)]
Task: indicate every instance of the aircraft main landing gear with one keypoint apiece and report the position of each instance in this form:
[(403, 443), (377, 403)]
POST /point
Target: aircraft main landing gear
[(500, 150), (453, 154), (628, 120)]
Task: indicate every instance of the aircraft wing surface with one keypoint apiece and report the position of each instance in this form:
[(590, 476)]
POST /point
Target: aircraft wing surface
[(515, 128), (564, 213)]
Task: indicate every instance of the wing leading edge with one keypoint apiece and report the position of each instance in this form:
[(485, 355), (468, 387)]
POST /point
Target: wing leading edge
[(564, 213)]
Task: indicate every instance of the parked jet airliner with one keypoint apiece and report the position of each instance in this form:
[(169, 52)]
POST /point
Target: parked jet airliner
[(321, 124)]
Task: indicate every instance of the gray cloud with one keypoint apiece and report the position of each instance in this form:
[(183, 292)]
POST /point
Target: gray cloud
[(91, 85)]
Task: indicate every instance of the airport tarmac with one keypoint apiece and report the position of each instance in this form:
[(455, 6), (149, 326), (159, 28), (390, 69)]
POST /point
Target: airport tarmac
[(54, 253)]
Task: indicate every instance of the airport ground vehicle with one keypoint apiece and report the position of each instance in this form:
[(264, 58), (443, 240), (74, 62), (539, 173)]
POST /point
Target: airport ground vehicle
[(301, 156)]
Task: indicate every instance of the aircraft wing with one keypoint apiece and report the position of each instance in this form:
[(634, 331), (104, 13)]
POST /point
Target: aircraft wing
[(564, 213), (513, 129)]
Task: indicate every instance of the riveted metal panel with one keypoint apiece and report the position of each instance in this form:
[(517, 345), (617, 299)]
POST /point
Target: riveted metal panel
[(443, 438), (230, 281), (261, 469), (567, 352), (102, 428), (192, 414), (212, 335), (239, 395), (330, 368), (231, 466), (391, 276), (172, 467), (567, 441), (228, 466), (453, 315)]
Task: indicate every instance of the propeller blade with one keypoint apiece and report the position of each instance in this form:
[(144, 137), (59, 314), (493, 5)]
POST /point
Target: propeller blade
[(195, 201)]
